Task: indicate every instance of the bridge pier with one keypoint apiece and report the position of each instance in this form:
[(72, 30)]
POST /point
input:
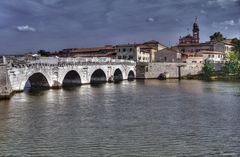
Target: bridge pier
[(5, 87)]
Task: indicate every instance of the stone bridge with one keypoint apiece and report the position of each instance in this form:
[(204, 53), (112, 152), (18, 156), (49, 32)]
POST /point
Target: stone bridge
[(57, 72)]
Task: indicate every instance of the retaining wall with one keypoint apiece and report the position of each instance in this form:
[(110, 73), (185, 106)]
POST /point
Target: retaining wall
[(153, 70)]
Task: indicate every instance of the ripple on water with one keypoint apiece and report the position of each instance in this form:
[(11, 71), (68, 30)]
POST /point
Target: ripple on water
[(141, 118)]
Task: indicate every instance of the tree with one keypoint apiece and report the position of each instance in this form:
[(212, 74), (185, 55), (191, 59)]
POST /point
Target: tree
[(232, 66), (217, 37), (236, 42), (208, 69), (43, 53)]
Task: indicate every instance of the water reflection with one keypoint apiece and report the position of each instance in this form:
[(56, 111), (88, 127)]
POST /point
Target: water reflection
[(139, 118)]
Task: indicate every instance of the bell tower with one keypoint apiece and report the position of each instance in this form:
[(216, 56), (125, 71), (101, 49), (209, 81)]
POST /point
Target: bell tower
[(196, 32)]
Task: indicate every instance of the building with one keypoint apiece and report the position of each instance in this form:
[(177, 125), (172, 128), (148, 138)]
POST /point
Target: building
[(107, 51), (191, 43), (132, 52), (189, 57), (191, 39), (153, 47), (200, 57), (213, 56), (168, 55), (145, 52), (226, 46)]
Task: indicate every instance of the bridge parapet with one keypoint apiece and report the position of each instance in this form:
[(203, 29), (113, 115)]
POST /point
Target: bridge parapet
[(53, 61)]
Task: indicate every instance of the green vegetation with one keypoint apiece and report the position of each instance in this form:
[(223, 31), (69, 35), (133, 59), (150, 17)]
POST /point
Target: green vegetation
[(208, 69), (232, 66), (230, 69), (43, 53), (217, 37), (236, 42)]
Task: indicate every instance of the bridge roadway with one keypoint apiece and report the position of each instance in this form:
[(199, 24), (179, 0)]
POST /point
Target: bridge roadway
[(57, 72)]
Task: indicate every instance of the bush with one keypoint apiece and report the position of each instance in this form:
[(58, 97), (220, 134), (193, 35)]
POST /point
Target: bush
[(208, 69), (232, 66)]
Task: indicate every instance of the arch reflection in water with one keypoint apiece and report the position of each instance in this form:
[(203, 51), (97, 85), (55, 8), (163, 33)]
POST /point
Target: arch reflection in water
[(72, 78), (98, 77), (117, 77)]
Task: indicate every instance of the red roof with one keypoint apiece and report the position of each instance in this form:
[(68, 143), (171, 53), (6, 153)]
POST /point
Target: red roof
[(211, 52), (192, 54)]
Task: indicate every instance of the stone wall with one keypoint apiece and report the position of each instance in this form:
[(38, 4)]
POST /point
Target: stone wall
[(5, 86), (153, 70)]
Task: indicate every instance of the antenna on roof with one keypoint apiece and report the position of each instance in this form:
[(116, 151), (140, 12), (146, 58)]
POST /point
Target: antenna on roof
[(196, 19)]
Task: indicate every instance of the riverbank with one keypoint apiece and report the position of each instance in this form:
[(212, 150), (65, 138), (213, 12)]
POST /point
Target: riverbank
[(219, 77), (6, 96)]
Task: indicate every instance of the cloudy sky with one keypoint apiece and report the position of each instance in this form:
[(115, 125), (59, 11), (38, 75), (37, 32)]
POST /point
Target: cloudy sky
[(30, 25)]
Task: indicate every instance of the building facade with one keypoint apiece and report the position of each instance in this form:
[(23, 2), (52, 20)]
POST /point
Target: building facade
[(202, 56), (132, 52), (153, 47), (213, 56), (225, 46), (145, 52), (168, 55)]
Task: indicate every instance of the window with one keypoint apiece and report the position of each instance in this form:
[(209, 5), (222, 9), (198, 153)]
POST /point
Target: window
[(130, 49), (209, 56), (218, 56), (212, 56), (165, 59), (119, 50), (119, 57), (124, 57), (130, 57), (124, 50)]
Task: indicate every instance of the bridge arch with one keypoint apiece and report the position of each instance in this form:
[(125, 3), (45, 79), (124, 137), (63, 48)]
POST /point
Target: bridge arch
[(118, 75), (98, 76), (72, 78), (38, 80), (131, 75)]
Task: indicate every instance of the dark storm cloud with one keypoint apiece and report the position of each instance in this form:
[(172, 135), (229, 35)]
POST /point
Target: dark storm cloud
[(29, 25)]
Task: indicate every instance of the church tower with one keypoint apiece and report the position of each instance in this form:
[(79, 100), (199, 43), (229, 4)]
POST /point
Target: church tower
[(196, 32)]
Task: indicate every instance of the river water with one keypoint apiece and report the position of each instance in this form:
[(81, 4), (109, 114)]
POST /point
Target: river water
[(149, 118)]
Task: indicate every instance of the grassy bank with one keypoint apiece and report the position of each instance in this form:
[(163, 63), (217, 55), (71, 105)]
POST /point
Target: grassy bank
[(214, 77)]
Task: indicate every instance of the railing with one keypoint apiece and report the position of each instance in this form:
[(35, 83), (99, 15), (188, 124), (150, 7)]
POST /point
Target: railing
[(54, 61)]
